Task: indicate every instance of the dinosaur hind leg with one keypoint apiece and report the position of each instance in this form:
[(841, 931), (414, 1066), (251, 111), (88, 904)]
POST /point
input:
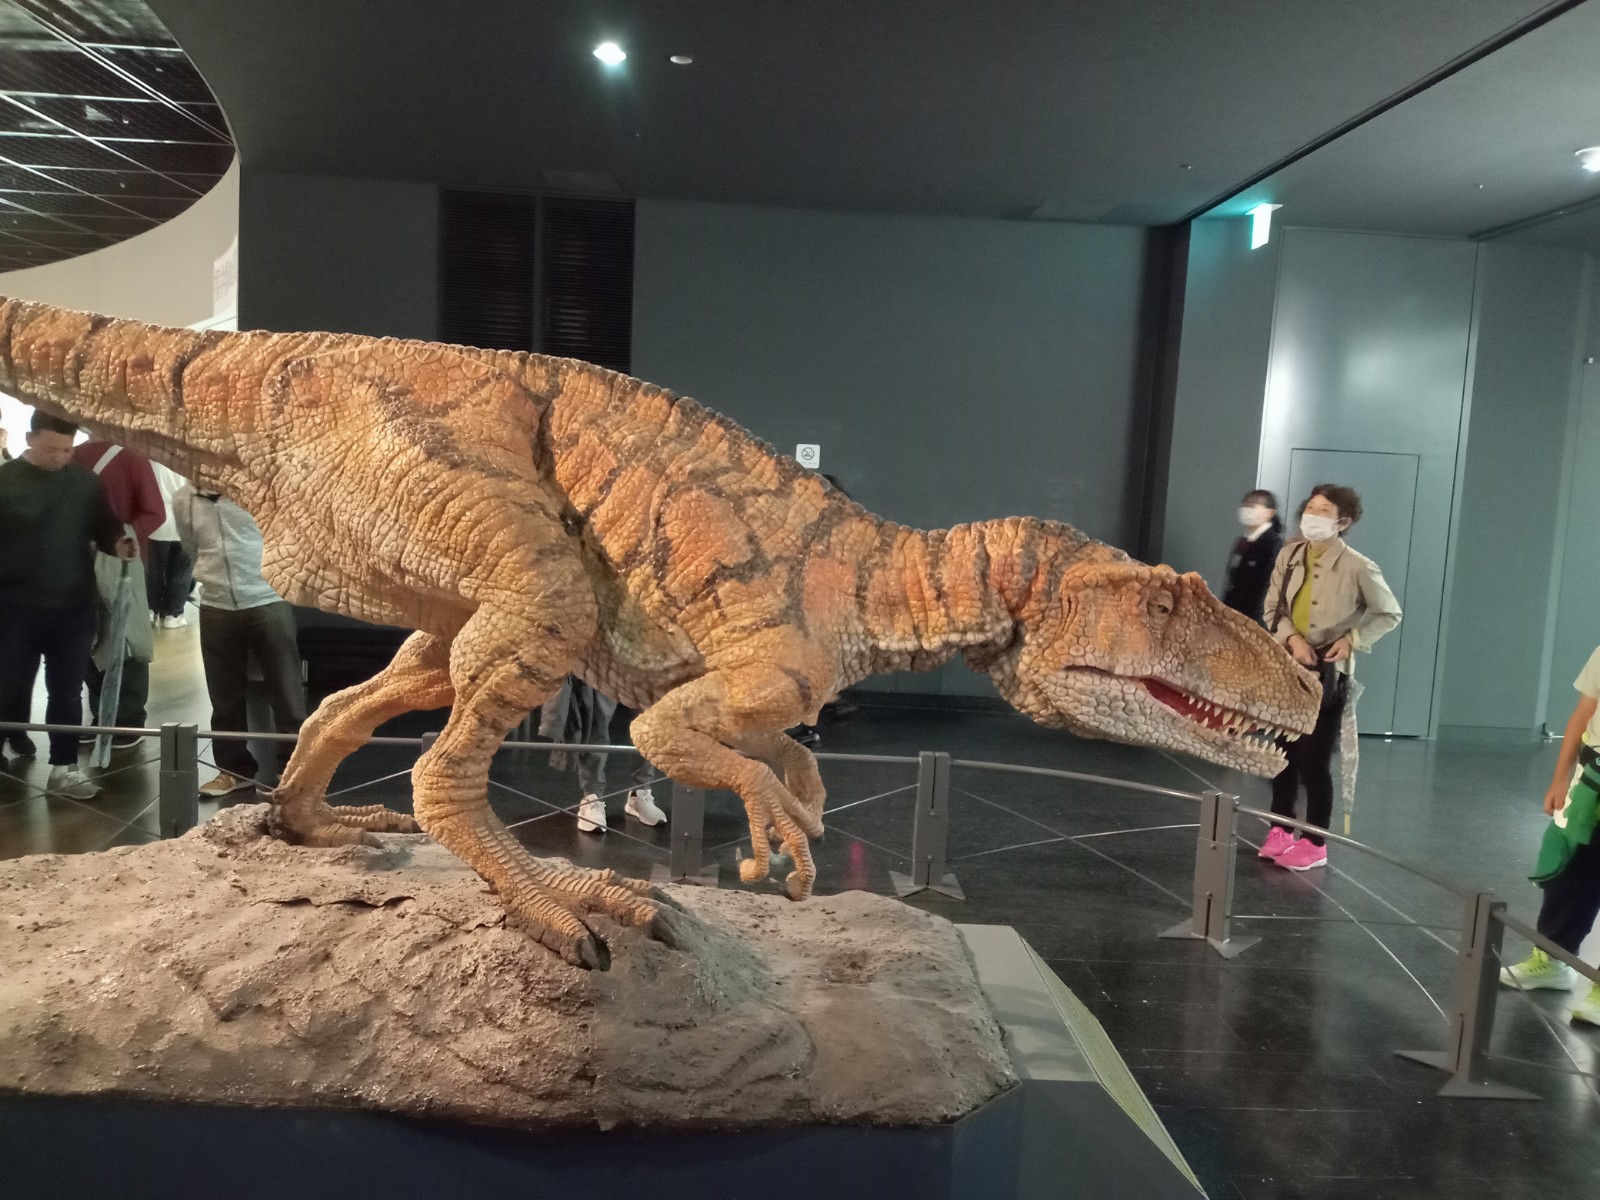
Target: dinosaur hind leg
[(505, 662), (417, 678)]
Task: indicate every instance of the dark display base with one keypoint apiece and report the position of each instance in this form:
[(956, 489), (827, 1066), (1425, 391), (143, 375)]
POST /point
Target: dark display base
[(1077, 1126)]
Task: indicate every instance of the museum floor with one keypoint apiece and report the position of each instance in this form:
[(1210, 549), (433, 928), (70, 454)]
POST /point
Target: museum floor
[(1274, 1072)]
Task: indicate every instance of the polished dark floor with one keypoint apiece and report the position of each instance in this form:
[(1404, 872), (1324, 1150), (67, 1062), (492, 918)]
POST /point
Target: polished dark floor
[(1275, 1072)]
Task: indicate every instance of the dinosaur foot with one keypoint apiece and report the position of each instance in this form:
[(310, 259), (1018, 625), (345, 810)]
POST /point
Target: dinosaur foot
[(337, 825), (798, 873), (551, 897)]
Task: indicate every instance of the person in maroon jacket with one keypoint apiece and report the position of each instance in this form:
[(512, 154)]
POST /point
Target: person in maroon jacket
[(135, 499)]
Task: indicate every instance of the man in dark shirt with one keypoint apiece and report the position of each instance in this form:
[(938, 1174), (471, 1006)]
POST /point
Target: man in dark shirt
[(53, 514)]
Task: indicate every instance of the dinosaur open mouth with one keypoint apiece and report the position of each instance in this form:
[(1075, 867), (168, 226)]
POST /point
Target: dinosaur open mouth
[(1216, 717)]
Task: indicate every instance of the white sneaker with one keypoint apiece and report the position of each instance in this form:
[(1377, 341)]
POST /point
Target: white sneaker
[(641, 806), (1539, 970), (1588, 1010), (71, 783), (174, 622), (592, 815)]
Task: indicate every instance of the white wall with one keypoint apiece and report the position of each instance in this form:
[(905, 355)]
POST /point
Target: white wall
[(163, 276)]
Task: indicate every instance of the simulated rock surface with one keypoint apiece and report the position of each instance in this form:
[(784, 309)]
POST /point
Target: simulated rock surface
[(228, 968)]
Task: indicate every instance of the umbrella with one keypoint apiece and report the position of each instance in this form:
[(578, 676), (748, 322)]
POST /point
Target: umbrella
[(111, 686)]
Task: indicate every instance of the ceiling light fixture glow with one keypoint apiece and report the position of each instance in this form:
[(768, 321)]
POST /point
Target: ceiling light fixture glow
[(683, 60), (1589, 157), (1261, 224), (610, 53)]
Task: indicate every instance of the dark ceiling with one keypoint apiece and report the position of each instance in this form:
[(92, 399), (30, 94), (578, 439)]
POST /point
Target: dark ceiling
[(1488, 148), (106, 130), (1085, 110)]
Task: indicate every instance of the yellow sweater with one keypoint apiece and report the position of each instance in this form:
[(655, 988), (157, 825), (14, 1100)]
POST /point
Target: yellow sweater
[(1300, 610)]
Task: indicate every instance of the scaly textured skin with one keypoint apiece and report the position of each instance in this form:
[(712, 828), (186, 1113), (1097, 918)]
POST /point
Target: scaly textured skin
[(530, 516)]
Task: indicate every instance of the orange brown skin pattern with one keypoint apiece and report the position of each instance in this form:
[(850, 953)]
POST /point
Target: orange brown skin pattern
[(531, 516)]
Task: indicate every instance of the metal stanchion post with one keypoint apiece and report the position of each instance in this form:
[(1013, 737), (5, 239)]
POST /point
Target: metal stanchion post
[(687, 830), (930, 832), (1216, 849), (178, 785), (1472, 998)]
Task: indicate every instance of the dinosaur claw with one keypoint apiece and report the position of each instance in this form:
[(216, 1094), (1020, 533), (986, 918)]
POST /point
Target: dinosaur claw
[(592, 954)]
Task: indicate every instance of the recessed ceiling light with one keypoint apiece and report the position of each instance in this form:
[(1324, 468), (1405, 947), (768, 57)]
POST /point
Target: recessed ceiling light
[(610, 53), (1589, 157), (683, 60)]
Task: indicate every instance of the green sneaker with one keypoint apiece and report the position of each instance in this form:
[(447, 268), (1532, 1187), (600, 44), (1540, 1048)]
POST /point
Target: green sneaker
[(1588, 1010), (1539, 971)]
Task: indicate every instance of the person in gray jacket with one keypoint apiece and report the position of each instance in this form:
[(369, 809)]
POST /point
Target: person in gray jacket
[(240, 617)]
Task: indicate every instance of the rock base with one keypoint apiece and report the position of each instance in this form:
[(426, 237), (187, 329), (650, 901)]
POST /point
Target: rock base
[(225, 967)]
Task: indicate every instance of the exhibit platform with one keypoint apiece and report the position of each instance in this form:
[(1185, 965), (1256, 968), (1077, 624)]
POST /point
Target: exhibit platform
[(1076, 1125)]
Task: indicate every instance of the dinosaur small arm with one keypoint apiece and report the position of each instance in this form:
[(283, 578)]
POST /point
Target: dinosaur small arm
[(531, 516)]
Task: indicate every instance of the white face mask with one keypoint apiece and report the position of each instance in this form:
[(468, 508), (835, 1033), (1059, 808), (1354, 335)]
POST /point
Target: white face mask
[(1254, 516), (1318, 529)]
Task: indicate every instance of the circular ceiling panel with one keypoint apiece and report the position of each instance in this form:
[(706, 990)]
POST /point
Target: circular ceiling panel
[(106, 128)]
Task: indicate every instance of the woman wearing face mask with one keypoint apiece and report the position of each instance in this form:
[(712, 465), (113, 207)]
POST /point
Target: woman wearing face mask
[(1324, 602), (1250, 565)]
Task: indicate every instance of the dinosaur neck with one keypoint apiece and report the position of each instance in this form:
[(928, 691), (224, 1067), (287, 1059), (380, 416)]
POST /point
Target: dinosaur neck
[(963, 589), (934, 594)]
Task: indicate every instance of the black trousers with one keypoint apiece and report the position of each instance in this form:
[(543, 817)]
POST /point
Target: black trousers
[(63, 637), (168, 579), (228, 641), (1310, 766), (1572, 899)]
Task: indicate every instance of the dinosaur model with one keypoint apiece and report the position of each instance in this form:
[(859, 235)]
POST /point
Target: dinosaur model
[(532, 516)]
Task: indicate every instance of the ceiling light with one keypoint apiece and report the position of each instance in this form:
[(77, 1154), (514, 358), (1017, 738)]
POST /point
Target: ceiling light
[(610, 53), (683, 60), (1261, 224), (1590, 158)]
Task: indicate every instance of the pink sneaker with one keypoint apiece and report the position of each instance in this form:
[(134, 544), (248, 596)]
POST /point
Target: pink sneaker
[(1279, 840), (1303, 855)]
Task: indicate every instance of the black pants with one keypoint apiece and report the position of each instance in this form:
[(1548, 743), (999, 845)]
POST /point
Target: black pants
[(1310, 765), (1572, 899), (168, 579), (63, 637), (228, 641), (132, 697)]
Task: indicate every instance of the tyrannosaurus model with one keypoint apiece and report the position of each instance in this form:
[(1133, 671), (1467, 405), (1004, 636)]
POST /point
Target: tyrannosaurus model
[(532, 516)]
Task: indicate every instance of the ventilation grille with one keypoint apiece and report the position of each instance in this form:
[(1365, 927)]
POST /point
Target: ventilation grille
[(586, 301), (551, 274), (486, 270)]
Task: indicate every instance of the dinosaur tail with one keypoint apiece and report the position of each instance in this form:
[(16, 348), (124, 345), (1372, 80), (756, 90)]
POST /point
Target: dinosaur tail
[(122, 380)]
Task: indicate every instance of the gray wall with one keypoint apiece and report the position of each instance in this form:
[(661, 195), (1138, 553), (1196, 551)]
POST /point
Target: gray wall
[(1369, 353), (1530, 302), (344, 255), (1576, 626), (1222, 380), (952, 370)]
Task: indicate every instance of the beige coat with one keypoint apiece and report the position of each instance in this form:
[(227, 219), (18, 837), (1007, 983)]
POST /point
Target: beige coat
[(1348, 596)]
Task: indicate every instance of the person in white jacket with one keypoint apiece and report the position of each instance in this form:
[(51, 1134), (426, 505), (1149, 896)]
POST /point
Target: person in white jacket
[(241, 618)]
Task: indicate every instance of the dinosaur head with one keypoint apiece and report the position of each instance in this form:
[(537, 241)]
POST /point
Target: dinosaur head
[(1142, 654)]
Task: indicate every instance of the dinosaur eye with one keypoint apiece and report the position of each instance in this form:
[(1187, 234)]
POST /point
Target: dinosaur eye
[(1161, 604)]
